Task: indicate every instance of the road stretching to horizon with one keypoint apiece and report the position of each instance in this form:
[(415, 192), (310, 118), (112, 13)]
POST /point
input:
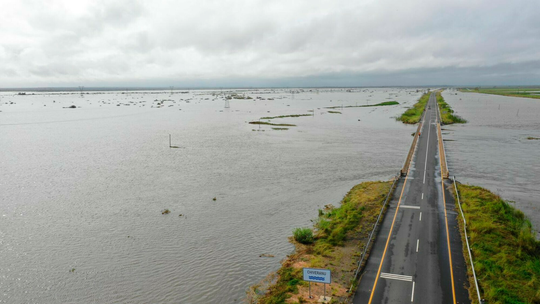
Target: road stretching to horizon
[(417, 256)]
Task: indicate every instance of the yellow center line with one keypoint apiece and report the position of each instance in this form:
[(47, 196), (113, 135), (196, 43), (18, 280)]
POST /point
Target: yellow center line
[(391, 229), (447, 231)]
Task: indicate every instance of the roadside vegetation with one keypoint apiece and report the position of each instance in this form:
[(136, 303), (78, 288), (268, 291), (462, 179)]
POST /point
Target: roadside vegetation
[(529, 92), (335, 243), (447, 114), (414, 114), (505, 251), (386, 103)]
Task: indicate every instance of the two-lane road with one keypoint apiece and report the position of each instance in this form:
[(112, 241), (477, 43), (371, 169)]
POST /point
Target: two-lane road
[(417, 255)]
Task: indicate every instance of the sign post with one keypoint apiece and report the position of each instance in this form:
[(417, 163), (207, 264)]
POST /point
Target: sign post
[(317, 275)]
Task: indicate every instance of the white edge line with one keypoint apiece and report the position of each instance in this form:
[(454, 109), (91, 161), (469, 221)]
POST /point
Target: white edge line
[(412, 294)]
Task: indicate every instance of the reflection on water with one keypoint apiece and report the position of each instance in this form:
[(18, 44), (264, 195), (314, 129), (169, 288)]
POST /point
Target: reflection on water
[(82, 189), (492, 149)]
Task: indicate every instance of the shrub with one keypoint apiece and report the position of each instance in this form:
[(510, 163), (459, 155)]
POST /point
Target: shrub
[(303, 235)]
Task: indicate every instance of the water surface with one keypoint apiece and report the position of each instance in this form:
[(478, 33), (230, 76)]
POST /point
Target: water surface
[(82, 189)]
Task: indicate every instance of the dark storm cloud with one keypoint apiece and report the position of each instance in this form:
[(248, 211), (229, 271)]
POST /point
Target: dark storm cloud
[(319, 42)]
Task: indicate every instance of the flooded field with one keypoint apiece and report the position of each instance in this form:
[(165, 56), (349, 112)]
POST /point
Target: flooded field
[(496, 149), (83, 189)]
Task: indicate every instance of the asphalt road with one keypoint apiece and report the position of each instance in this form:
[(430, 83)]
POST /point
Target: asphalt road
[(417, 256)]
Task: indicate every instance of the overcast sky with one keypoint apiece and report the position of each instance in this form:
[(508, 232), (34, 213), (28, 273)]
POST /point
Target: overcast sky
[(187, 43)]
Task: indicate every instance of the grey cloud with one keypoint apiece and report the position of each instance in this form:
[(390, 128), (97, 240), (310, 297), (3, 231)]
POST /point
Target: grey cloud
[(320, 41)]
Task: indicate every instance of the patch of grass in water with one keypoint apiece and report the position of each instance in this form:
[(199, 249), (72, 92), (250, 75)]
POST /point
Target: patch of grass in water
[(386, 103), (286, 116), (280, 129), (447, 114), (533, 138), (271, 124), (334, 112), (413, 115)]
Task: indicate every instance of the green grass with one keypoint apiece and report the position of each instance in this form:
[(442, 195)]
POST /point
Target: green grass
[(386, 103), (414, 114), (505, 252), (271, 124), (303, 235), (527, 92), (447, 114), (287, 283), (286, 116)]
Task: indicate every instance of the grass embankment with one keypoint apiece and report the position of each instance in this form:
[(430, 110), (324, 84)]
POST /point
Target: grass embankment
[(386, 103), (513, 92), (447, 114), (506, 254), (414, 114), (340, 233)]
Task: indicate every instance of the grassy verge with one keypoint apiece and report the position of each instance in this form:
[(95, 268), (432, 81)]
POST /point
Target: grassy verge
[(386, 103), (506, 254), (414, 114), (271, 124), (513, 92), (447, 114), (339, 234)]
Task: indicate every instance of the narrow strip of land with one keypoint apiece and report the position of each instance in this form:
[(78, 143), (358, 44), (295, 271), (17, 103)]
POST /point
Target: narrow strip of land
[(419, 236)]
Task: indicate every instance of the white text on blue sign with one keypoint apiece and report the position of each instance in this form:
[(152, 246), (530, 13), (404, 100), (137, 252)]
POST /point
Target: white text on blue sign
[(317, 275)]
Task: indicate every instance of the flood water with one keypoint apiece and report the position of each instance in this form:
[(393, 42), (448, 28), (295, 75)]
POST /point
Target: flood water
[(492, 149), (82, 190)]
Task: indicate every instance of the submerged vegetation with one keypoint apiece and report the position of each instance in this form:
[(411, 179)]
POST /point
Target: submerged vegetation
[(336, 243), (386, 103), (414, 114), (447, 114), (506, 253), (286, 116), (529, 92), (271, 124), (334, 112), (533, 138)]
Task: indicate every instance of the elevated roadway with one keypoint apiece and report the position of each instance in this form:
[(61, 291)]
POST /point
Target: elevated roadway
[(417, 256)]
